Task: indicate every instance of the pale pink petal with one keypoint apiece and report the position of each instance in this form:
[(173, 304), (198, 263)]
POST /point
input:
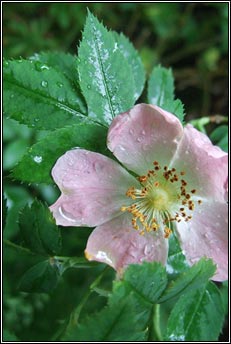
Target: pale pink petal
[(118, 244), (93, 188), (206, 235), (206, 165), (142, 135)]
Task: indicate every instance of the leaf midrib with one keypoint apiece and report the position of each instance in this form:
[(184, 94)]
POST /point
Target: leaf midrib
[(50, 100), (102, 69)]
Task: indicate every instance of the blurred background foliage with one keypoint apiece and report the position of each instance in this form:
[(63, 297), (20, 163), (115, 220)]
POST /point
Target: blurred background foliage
[(192, 38)]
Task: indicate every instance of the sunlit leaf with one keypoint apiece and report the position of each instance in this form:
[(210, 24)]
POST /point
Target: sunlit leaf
[(105, 76), (161, 91), (176, 262), (192, 279), (197, 316), (131, 54)]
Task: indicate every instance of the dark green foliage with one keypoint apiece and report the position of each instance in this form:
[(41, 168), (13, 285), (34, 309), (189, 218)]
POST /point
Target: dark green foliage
[(39, 231), (36, 164)]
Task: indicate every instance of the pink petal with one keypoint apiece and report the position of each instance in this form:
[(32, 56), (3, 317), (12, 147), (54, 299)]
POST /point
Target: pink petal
[(117, 244), (206, 165), (93, 188), (142, 135), (207, 235)]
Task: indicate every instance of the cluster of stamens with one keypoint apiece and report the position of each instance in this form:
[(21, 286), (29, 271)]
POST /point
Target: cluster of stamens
[(162, 199)]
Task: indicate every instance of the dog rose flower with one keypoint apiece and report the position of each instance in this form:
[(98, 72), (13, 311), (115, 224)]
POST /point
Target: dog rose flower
[(180, 185)]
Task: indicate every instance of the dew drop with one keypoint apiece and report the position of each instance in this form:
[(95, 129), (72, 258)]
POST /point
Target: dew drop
[(61, 99), (5, 63), (36, 120), (40, 67), (12, 96), (38, 159), (147, 250), (143, 132), (89, 87), (60, 84), (122, 148), (44, 83), (131, 131)]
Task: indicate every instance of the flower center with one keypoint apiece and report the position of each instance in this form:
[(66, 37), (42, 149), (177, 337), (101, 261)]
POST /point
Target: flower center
[(161, 199)]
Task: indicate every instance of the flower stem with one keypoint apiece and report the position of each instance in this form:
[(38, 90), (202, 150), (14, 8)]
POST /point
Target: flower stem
[(157, 322), (76, 313)]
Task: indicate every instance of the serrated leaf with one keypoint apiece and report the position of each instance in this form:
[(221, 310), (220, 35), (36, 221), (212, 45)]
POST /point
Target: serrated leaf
[(197, 316), (37, 163), (39, 231), (176, 107), (160, 86), (143, 283), (41, 278), (61, 61), (40, 96), (142, 307), (131, 54), (194, 278), (161, 91), (105, 76), (176, 262), (148, 280), (114, 323)]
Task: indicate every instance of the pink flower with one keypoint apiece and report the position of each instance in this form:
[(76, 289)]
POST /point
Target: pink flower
[(181, 184)]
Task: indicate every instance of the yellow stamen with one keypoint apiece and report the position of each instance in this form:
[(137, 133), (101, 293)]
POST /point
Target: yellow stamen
[(162, 198)]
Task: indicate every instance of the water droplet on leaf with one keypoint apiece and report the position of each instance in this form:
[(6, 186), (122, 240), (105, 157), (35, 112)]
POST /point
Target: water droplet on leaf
[(44, 83), (38, 159)]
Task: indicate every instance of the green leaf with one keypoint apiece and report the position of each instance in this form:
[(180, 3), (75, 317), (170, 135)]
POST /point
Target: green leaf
[(41, 278), (176, 262), (224, 290), (14, 152), (143, 283), (160, 86), (130, 54), (197, 316), (220, 137), (194, 278), (37, 163), (39, 231), (148, 280), (61, 61), (114, 323), (40, 96), (105, 76), (161, 91)]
